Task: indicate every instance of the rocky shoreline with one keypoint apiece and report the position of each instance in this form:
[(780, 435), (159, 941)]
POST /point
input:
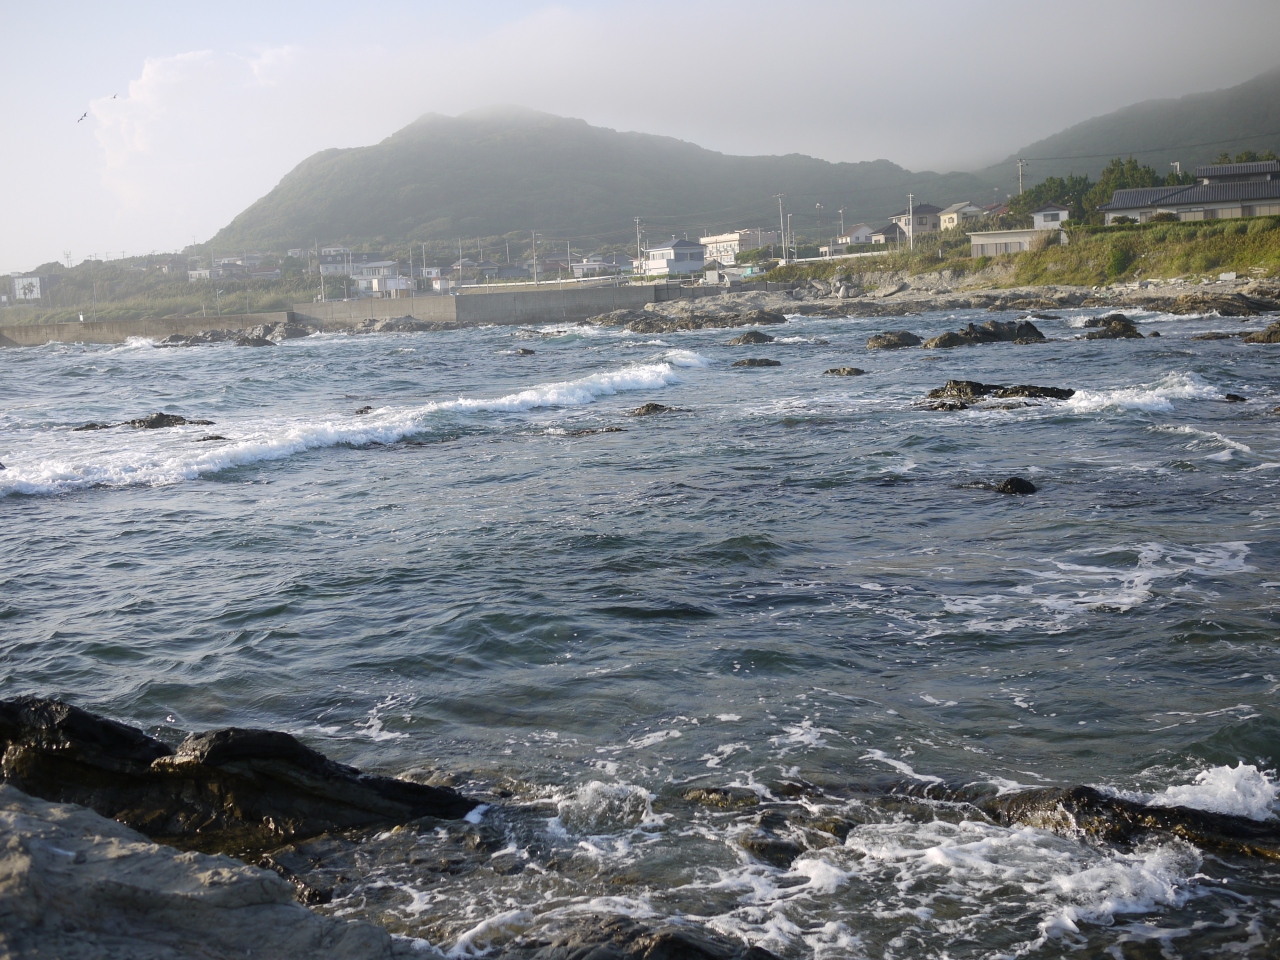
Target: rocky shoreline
[(98, 814)]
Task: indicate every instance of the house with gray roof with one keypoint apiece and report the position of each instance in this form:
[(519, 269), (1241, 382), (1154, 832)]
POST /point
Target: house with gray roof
[(1221, 192)]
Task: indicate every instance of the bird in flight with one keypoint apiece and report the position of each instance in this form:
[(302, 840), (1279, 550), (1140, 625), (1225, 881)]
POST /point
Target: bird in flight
[(114, 95), (83, 115)]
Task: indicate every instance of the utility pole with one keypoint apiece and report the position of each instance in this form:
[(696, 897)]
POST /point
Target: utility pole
[(639, 254), (459, 261), (911, 221), (819, 206), (1021, 164), (842, 221), (790, 238), (781, 226), (534, 233)]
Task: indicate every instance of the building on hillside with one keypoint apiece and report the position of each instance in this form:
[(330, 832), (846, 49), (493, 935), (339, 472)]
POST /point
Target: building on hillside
[(997, 209), (1050, 216), (265, 273), (922, 218), (297, 253), (957, 214), (676, 258), (725, 247), (890, 233), (371, 277), (601, 265), (334, 251), (30, 288), (1221, 192), (857, 234), (1259, 171), (345, 264)]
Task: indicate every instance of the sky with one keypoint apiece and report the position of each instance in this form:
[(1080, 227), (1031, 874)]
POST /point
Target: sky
[(193, 111)]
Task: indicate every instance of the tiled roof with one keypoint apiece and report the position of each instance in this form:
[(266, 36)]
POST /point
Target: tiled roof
[(920, 209), (1238, 169), (1140, 197), (1226, 192)]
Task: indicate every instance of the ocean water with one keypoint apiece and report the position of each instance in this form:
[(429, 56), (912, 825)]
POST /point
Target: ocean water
[(793, 579)]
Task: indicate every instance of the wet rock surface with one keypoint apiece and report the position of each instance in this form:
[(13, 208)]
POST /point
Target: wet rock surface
[(960, 393), (1016, 486), (1269, 335), (990, 331), (1115, 326), (230, 791), (78, 886), (844, 372), (649, 409), (893, 340), (404, 324), (751, 337), (161, 421), (758, 362), (694, 320)]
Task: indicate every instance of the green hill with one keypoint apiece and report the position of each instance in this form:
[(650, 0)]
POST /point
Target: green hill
[(502, 171), (1193, 129)]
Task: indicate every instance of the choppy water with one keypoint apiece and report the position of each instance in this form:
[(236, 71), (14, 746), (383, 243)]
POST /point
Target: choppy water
[(789, 581)]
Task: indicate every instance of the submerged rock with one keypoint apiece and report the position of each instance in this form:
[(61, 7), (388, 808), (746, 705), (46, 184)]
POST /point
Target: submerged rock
[(92, 426), (990, 331), (210, 436), (844, 372), (229, 791), (362, 411), (758, 362), (649, 409), (1235, 398), (656, 323), (77, 886), (161, 421), (622, 938), (1214, 335), (1016, 486), (523, 352), (751, 337), (893, 340), (588, 431), (254, 342)]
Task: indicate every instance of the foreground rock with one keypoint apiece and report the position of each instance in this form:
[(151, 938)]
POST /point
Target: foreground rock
[(758, 362), (621, 938), (958, 394), (990, 331), (1115, 326), (231, 791), (77, 886), (893, 340)]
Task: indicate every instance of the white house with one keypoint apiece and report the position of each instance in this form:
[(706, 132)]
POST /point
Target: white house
[(957, 214), (677, 258), (922, 218), (1050, 216), (726, 246), (335, 251), (858, 233)]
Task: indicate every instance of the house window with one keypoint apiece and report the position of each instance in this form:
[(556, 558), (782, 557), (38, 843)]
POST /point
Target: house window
[(1051, 218), (921, 221)]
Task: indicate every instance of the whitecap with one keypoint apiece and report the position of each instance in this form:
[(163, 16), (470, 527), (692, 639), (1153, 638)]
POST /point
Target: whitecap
[(1155, 397)]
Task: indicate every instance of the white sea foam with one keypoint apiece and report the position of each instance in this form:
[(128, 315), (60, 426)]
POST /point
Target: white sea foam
[(57, 461), (1242, 790), (1157, 397)]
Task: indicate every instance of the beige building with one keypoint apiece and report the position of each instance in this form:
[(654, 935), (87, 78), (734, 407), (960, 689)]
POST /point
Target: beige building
[(726, 246), (957, 214)]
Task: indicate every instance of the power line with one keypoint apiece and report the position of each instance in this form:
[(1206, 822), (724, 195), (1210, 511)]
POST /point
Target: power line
[(1174, 146)]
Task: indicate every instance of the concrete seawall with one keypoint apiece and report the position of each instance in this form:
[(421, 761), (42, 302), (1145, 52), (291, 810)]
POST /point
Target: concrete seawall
[(514, 307)]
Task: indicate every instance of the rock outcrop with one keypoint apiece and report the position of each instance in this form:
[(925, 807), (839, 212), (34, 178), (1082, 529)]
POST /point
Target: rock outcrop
[(1016, 486), (77, 886), (960, 393), (656, 323), (990, 331), (1115, 326), (1269, 335), (751, 337), (649, 409), (231, 791), (622, 938), (758, 362), (893, 340), (844, 372)]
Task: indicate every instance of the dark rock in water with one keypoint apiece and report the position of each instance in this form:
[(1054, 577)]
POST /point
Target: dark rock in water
[(1, 466), (657, 323), (404, 324), (229, 791), (174, 340), (990, 331), (1154, 333), (1213, 335), (1235, 398), (92, 426), (724, 797), (843, 372), (621, 938), (1115, 326), (160, 421), (770, 849), (758, 362), (254, 342), (1269, 335), (948, 405), (363, 410), (750, 337), (1015, 486), (893, 340), (524, 352), (587, 431), (210, 436), (969, 390), (649, 409)]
